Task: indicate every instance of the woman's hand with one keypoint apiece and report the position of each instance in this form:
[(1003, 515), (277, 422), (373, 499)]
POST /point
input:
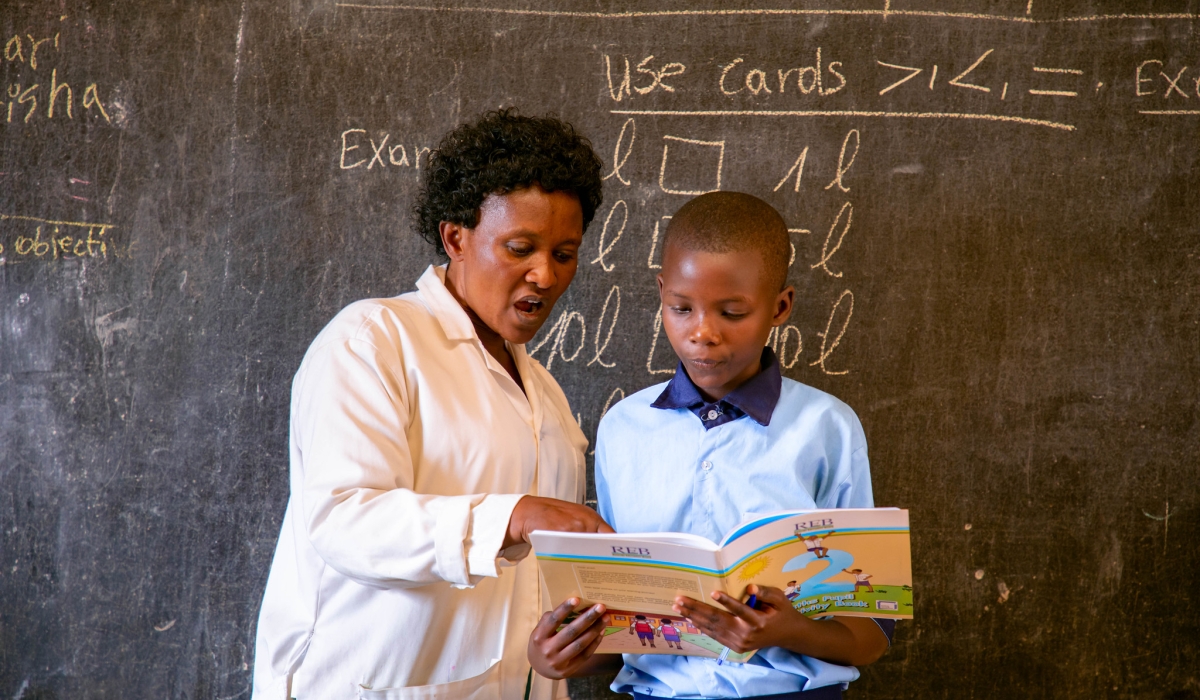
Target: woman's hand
[(537, 513), (773, 622), (562, 653)]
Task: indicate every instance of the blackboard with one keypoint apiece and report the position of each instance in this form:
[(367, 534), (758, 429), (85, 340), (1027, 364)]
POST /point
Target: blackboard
[(996, 237)]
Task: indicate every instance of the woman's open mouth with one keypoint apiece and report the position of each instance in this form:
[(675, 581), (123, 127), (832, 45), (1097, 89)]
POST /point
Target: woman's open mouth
[(530, 306)]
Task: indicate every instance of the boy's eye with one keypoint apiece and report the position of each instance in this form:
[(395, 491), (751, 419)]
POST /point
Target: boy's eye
[(735, 314), (679, 309)]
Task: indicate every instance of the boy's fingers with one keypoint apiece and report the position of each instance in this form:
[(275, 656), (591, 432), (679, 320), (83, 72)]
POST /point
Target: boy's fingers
[(604, 527), (690, 607), (736, 607), (772, 596), (702, 612)]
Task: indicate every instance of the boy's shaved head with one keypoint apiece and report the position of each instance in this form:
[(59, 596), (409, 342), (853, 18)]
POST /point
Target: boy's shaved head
[(727, 222)]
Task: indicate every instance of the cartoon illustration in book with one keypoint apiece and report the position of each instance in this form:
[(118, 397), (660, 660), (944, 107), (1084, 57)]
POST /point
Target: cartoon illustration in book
[(860, 579), (670, 633), (815, 543), (644, 629), (791, 591)]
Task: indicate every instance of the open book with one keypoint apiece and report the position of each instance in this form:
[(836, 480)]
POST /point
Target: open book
[(846, 561)]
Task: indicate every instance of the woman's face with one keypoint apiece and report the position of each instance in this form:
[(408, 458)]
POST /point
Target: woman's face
[(514, 265)]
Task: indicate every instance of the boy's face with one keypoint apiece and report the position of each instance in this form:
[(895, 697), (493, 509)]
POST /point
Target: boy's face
[(717, 310)]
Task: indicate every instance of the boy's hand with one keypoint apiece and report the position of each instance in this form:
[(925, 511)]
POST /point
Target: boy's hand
[(772, 623), (848, 641), (560, 654), (537, 513)]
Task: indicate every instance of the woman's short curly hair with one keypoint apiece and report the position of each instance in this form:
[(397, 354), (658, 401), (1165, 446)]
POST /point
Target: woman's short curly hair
[(499, 153)]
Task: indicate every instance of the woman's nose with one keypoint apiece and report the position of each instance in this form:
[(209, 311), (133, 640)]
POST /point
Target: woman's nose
[(541, 274)]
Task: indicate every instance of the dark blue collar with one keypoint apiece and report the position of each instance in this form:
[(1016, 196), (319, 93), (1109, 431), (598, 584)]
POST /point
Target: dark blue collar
[(756, 397)]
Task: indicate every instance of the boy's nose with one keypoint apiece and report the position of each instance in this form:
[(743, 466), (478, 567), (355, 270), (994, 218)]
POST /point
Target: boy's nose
[(704, 332)]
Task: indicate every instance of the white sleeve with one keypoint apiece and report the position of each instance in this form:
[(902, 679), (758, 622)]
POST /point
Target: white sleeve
[(350, 415)]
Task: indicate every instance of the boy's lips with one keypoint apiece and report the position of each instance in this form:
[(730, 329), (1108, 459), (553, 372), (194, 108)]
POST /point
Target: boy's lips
[(704, 363)]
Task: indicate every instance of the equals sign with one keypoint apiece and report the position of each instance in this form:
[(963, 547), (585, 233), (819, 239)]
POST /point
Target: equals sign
[(77, 181)]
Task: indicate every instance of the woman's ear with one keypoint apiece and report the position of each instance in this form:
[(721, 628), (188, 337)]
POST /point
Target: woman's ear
[(453, 239), (783, 305)]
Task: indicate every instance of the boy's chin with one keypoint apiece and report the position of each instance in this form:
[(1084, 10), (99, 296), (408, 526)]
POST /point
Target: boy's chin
[(710, 383)]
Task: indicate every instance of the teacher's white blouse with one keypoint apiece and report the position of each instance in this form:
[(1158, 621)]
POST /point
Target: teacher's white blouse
[(410, 445)]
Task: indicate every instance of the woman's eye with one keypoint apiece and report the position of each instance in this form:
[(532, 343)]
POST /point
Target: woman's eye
[(564, 256), (520, 250)]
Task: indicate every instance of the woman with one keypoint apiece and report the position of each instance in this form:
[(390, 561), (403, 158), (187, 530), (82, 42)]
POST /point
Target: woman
[(426, 445)]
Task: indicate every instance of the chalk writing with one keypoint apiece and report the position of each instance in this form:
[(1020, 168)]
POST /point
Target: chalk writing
[(843, 165), (719, 147), (54, 240), (616, 395), (657, 77), (557, 337), (842, 113), (371, 152), (619, 156), (1172, 87), (798, 168), (827, 252), (828, 344), (654, 346), (614, 295), (1055, 93), (957, 81), (654, 244), (606, 249), (883, 12), (31, 95), (807, 79), (913, 72), (779, 340)]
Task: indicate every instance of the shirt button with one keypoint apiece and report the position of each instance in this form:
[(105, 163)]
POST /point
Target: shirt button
[(706, 465), (712, 415)]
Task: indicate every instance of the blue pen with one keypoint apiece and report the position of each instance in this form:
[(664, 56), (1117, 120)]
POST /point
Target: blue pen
[(725, 652)]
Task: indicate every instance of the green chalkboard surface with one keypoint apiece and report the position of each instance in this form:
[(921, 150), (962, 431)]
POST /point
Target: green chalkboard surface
[(994, 211)]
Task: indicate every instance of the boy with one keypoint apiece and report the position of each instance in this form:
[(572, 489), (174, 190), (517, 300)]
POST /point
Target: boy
[(670, 633), (727, 436), (645, 630), (814, 544), (860, 579)]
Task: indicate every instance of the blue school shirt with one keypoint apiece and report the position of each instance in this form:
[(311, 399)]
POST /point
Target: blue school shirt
[(667, 460)]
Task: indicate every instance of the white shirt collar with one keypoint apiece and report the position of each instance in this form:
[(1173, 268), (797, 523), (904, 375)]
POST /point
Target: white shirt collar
[(455, 322)]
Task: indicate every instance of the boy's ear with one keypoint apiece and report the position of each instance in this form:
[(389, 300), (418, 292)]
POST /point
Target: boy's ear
[(783, 305), (453, 239), (660, 286)]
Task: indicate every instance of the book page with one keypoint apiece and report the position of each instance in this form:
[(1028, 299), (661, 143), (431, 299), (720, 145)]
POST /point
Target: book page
[(637, 579), (846, 561)]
